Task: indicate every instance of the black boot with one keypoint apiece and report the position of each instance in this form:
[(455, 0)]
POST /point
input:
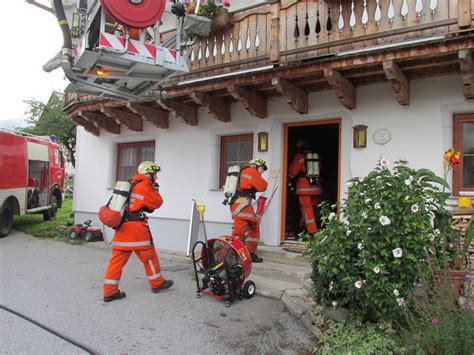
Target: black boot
[(255, 258), (164, 286), (119, 295)]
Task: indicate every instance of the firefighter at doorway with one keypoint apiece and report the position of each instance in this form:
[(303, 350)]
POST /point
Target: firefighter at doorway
[(134, 234), (243, 214), (308, 192)]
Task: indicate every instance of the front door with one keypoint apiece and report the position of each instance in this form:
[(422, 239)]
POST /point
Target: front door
[(323, 138)]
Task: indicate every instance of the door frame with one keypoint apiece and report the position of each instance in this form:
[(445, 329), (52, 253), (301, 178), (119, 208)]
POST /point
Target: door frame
[(286, 127)]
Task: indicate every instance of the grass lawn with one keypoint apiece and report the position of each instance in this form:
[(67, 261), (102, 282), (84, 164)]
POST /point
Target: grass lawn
[(34, 225)]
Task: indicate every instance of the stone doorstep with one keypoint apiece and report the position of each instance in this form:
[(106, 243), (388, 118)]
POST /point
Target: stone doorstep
[(277, 254)]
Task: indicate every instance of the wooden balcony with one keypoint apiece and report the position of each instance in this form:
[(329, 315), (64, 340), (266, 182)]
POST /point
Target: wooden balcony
[(290, 48), (291, 30)]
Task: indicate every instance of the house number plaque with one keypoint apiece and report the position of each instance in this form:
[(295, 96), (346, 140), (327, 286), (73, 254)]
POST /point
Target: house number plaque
[(382, 136)]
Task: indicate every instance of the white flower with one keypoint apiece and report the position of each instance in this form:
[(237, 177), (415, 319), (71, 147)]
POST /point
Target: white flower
[(431, 237), (368, 199), (414, 208), (384, 163), (334, 304), (401, 302), (376, 269), (360, 246), (365, 215), (397, 252), (369, 228), (331, 285), (437, 232), (384, 220), (377, 206), (396, 293), (348, 233), (345, 221), (358, 284), (409, 180), (407, 198), (331, 216), (350, 184)]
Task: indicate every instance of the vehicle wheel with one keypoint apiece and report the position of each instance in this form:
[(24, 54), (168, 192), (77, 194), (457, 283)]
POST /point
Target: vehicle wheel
[(6, 221), (51, 213), (73, 235), (88, 236), (249, 289)]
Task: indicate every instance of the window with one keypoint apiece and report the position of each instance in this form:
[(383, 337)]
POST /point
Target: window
[(57, 157), (130, 155), (235, 150), (463, 136)]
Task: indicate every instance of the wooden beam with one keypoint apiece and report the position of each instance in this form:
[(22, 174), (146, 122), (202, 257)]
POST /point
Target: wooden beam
[(131, 120), (255, 104), (275, 33), (464, 13), (188, 114), (218, 108), (398, 80), (296, 97), (157, 116), (102, 121), (345, 91), (467, 73), (88, 126)]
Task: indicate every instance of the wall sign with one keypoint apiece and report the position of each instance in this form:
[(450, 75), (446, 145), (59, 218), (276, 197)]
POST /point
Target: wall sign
[(382, 136)]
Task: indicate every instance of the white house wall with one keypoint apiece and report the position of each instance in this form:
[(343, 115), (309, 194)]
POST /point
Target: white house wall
[(189, 156)]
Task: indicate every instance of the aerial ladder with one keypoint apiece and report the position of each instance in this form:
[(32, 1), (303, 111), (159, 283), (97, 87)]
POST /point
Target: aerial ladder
[(112, 48)]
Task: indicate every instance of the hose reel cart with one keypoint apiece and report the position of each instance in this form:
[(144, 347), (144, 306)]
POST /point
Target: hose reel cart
[(221, 266)]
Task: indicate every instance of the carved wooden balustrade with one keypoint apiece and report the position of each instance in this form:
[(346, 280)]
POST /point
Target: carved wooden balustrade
[(295, 30)]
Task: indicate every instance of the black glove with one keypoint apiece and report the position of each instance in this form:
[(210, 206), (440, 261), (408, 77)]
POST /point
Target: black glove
[(156, 186), (178, 9)]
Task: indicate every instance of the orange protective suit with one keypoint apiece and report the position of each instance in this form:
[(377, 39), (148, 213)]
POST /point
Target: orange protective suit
[(135, 236), (242, 211), (307, 193)]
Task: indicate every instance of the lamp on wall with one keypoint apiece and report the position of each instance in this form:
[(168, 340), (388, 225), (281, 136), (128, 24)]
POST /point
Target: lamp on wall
[(263, 141), (360, 136)]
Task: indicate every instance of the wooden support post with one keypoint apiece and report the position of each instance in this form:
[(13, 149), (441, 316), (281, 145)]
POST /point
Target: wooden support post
[(296, 97), (464, 13), (218, 108), (132, 121), (398, 80), (345, 91), (188, 114), (88, 126), (275, 33), (102, 121), (255, 104), (467, 72), (157, 116)]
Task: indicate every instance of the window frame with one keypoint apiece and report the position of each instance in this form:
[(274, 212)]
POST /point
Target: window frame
[(122, 146), (223, 152), (458, 121)]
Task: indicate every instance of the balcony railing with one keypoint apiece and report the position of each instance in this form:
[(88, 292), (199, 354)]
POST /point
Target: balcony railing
[(296, 30)]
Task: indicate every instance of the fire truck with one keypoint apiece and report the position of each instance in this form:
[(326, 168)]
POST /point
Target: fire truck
[(32, 172)]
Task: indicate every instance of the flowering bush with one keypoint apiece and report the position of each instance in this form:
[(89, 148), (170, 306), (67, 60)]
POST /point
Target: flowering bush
[(392, 224), (209, 8)]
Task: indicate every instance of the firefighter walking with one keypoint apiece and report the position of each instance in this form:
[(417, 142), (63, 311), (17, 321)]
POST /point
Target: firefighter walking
[(243, 214), (134, 235), (304, 168)]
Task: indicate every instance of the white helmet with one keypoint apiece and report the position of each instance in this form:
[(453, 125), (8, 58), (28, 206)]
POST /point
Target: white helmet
[(258, 162), (148, 167)]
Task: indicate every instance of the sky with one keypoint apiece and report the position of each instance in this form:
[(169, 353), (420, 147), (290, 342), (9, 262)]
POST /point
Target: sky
[(31, 36)]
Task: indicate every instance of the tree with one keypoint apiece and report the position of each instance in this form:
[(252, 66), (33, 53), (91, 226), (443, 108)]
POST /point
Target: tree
[(48, 119)]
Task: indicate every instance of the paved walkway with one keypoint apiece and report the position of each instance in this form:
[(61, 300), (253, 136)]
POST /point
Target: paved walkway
[(59, 285)]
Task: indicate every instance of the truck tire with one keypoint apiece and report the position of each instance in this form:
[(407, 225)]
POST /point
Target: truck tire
[(6, 221), (51, 213)]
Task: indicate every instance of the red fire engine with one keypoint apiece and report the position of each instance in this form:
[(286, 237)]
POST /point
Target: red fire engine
[(31, 177)]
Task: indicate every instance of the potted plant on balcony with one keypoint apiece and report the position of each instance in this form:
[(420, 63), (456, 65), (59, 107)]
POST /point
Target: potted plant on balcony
[(212, 15)]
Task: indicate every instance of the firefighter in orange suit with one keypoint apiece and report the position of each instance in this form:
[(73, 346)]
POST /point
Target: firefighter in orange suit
[(306, 190), (134, 234), (243, 214)]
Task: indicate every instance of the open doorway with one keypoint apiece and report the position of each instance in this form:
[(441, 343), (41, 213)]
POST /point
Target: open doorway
[(322, 137)]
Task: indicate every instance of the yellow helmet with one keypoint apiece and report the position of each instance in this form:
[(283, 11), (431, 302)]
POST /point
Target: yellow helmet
[(148, 167), (258, 162)]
